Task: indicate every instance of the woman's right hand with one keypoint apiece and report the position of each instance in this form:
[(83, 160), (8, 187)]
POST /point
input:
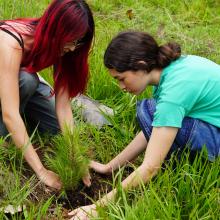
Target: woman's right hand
[(100, 168), (50, 179)]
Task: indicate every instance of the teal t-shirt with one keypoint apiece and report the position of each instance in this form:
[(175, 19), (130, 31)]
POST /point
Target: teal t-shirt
[(188, 87)]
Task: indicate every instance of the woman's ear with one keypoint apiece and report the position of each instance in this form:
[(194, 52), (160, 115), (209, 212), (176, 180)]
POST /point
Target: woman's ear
[(142, 65), (142, 62)]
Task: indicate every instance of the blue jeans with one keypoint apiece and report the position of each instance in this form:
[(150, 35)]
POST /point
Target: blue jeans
[(37, 106), (194, 133)]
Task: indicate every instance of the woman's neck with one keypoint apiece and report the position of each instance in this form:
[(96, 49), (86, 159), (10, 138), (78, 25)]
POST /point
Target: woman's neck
[(155, 76)]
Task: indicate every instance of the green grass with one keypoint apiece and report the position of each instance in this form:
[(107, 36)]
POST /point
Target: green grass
[(188, 191), (191, 191), (68, 158)]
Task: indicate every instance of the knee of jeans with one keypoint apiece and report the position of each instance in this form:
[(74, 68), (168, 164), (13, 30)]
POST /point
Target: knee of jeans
[(145, 109), (144, 116), (28, 83)]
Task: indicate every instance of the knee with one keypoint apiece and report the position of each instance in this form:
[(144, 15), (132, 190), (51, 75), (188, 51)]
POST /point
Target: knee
[(146, 109), (28, 83)]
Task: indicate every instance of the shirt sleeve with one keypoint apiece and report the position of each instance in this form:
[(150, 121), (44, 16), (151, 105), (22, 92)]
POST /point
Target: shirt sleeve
[(168, 114)]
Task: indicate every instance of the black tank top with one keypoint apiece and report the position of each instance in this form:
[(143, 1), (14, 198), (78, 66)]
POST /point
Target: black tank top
[(20, 41)]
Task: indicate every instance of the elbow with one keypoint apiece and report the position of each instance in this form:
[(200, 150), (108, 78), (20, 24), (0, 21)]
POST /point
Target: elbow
[(9, 118)]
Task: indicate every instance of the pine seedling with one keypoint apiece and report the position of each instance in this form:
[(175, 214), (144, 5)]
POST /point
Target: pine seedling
[(69, 158)]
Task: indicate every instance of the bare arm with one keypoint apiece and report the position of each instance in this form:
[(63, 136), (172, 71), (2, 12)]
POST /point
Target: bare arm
[(64, 110), (157, 149), (9, 95), (137, 145), (10, 60)]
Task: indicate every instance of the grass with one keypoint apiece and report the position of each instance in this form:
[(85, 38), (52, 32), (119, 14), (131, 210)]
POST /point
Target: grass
[(191, 190), (69, 158), (180, 193)]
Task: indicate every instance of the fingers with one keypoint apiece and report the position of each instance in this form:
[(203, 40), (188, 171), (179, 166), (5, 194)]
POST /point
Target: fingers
[(50, 179), (92, 164), (87, 180), (74, 212), (58, 185), (84, 212)]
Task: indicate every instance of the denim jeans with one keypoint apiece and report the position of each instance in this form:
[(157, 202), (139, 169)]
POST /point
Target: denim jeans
[(194, 133), (37, 106)]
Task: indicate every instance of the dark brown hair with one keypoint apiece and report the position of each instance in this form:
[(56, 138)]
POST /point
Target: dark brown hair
[(127, 49)]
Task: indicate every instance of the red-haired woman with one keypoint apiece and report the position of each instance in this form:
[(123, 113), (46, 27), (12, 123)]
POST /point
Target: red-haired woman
[(61, 38)]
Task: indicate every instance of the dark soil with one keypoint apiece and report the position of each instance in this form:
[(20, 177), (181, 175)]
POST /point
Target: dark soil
[(101, 184), (85, 195), (82, 195), (73, 198)]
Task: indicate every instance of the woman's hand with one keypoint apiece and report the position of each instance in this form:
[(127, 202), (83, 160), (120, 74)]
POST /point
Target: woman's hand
[(50, 179), (87, 179), (100, 168), (84, 212)]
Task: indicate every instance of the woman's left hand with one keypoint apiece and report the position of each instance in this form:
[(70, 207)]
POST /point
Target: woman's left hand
[(83, 213)]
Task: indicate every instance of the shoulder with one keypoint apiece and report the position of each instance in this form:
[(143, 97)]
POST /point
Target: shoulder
[(10, 53), (9, 43)]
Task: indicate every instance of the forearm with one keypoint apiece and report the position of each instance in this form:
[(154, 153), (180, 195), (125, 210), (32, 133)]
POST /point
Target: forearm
[(65, 117), (21, 139), (137, 145), (157, 149), (64, 110), (141, 175)]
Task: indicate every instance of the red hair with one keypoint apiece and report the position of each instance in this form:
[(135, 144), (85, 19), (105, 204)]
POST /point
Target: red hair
[(63, 21)]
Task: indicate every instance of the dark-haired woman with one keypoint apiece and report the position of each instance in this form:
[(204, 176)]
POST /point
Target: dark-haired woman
[(61, 38), (184, 111)]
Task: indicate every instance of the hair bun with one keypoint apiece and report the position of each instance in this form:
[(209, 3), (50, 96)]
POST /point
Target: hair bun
[(168, 53)]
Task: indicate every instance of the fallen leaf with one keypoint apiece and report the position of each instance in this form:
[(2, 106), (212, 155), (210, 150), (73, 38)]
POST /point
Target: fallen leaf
[(130, 14), (12, 209)]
